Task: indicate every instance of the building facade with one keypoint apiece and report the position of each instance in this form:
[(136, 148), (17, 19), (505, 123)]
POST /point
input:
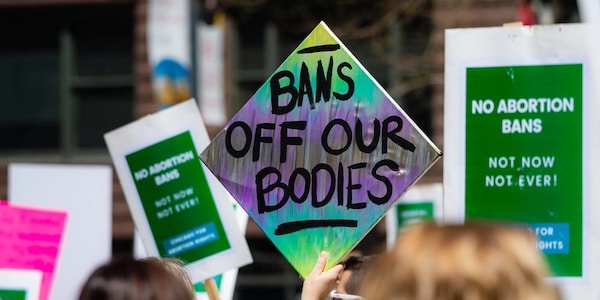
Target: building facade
[(71, 70)]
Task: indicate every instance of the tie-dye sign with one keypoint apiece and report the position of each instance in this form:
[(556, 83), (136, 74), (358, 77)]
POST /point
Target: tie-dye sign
[(320, 153)]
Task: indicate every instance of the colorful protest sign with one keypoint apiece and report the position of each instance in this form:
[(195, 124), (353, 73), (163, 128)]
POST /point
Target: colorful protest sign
[(422, 202), (20, 284), (31, 238), (518, 129), (319, 153), (179, 208), (85, 191)]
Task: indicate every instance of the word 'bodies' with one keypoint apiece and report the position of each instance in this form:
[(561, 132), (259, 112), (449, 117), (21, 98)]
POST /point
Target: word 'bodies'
[(387, 133)]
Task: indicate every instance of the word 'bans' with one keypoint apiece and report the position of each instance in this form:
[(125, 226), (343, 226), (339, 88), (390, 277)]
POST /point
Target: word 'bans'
[(284, 83)]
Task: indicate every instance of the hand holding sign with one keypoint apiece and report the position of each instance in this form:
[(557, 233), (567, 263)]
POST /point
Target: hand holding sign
[(319, 153), (319, 283)]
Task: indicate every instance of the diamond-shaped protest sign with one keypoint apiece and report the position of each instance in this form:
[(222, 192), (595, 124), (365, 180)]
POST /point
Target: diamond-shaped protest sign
[(320, 153)]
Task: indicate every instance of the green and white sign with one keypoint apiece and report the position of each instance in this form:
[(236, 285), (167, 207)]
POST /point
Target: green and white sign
[(520, 129), (176, 198), (421, 203), (179, 208), (20, 284), (534, 172), (411, 213)]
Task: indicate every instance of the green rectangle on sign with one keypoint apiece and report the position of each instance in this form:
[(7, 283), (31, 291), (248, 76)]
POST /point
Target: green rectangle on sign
[(177, 200), (13, 294), (410, 213), (524, 154)]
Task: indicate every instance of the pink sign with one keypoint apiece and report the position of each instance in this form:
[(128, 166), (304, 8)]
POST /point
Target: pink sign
[(30, 238)]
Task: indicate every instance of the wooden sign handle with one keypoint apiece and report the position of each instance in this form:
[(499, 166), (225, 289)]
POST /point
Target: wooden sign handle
[(211, 289)]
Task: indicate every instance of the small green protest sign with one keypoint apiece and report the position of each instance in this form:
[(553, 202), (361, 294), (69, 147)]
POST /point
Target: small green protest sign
[(411, 213), (179, 208), (421, 203), (181, 211)]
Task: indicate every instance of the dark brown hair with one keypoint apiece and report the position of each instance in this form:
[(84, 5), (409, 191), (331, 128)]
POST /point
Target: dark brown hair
[(146, 279), (357, 264)]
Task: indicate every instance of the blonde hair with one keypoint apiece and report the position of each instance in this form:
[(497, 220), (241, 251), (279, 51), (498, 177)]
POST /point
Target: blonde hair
[(461, 262)]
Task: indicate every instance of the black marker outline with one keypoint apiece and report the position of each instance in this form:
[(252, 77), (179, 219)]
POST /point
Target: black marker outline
[(289, 227), (319, 48)]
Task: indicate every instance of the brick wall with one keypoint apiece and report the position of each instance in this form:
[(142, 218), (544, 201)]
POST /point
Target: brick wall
[(144, 104), (458, 14), (143, 99)]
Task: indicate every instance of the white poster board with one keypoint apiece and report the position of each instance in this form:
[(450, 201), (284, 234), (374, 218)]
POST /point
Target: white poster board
[(178, 207), (211, 74), (519, 48), (85, 191), (422, 202), (20, 280), (589, 11)]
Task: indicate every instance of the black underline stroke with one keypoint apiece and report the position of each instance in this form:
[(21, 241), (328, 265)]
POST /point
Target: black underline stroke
[(289, 227), (319, 48)]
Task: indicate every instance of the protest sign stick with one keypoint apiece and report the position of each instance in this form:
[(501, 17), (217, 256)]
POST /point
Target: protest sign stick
[(211, 289)]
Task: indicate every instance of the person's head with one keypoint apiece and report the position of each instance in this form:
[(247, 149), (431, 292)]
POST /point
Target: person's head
[(145, 279), (352, 276), (470, 262)]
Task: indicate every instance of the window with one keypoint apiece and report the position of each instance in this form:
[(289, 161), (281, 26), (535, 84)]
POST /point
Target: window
[(66, 76)]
